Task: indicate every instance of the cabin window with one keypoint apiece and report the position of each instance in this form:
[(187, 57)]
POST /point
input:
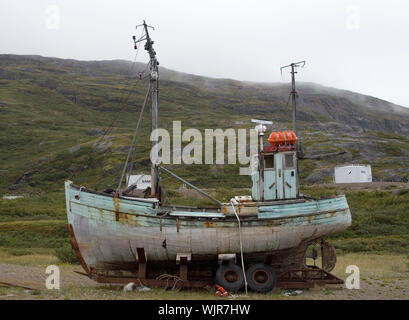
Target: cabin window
[(289, 161), (269, 161)]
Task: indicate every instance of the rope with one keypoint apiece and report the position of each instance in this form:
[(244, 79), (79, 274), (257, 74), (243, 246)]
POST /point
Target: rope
[(133, 143), (170, 277), (241, 246)]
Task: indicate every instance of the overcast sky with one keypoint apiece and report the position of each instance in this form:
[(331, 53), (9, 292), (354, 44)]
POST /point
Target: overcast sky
[(361, 46)]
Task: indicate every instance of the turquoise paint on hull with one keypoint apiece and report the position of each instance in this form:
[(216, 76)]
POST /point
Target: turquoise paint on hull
[(304, 208), (292, 217), (89, 204)]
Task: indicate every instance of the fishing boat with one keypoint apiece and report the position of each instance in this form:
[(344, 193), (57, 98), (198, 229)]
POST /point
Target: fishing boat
[(259, 240)]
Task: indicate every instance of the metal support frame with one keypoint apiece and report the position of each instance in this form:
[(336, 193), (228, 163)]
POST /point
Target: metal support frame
[(301, 278), (306, 278), (288, 279)]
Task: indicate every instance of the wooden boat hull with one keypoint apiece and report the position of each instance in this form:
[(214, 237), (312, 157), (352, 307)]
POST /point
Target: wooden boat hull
[(107, 231)]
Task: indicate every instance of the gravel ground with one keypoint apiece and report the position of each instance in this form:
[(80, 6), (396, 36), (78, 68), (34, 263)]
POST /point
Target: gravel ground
[(76, 286), (34, 276)]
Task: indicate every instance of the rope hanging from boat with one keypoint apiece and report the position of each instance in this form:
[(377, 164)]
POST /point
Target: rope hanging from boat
[(241, 246), (134, 138)]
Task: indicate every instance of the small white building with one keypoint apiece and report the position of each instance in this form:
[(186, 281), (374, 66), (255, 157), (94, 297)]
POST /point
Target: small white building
[(352, 173), (142, 181)]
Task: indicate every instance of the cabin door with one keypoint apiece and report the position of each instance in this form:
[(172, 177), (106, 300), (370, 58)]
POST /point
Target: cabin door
[(280, 180), (269, 187), (290, 179), (279, 173)]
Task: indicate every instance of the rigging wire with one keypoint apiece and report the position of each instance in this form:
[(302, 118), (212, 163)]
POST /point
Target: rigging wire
[(131, 166), (147, 67), (121, 100), (134, 138), (143, 74)]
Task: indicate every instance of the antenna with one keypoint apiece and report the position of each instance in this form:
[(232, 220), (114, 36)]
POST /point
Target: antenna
[(144, 36), (261, 121), (298, 148), (293, 92), (261, 128)]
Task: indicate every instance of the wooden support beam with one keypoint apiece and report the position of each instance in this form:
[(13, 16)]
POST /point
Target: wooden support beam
[(268, 259), (183, 268), (141, 263)]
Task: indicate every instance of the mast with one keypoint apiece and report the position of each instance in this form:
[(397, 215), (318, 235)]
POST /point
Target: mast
[(294, 95), (154, 78), (298, 148)]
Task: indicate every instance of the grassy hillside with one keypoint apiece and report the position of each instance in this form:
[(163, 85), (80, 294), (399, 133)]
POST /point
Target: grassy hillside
[(54, 112)]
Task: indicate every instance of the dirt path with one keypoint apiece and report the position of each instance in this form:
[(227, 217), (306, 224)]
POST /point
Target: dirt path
[(34, 276)]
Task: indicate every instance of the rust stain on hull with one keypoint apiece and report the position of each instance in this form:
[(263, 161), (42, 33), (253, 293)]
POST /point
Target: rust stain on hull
[(116, 201), (209, 224)]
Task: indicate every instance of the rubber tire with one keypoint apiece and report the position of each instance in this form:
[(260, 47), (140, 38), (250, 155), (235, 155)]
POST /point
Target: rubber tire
[(269, 273), (229, 285)]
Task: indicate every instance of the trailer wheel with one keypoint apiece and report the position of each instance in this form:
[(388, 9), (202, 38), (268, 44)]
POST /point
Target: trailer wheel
[(261, 278), (230, 277)]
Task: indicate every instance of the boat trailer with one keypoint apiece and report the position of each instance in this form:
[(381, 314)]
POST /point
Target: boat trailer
[(301, 278)]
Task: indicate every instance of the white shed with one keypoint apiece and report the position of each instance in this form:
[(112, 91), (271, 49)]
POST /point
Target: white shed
[(352, 173), (142, 180)]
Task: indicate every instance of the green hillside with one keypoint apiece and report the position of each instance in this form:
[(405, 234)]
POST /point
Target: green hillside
[(54, 113)]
